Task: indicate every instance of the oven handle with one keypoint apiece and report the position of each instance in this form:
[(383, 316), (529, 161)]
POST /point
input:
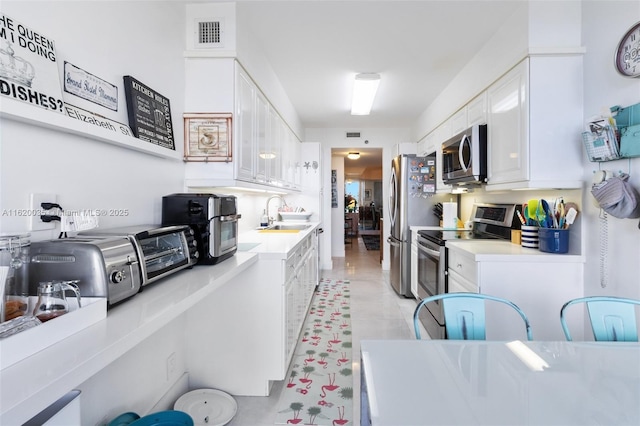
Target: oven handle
[(434, 253), (230, 218)]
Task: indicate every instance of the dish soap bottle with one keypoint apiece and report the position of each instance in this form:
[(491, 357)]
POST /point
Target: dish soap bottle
[(264, 220)]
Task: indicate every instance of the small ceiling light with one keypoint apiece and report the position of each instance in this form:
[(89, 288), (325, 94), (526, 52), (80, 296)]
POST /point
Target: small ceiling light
[(267, 155), (364, 91), (353, 155)]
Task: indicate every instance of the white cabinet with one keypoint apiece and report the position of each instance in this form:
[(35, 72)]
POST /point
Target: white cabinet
[(260, 319), (263, 147), (274, 157), (245, 126), (459, 121), (538, 284), (260, 136), (508, 130), (477, 110), (534, 122)]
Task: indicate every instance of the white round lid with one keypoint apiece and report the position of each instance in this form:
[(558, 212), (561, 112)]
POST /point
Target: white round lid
[(208, 407)]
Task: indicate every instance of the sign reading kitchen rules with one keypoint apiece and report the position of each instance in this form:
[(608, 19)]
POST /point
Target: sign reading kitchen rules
[(28, 68), (149, 113)]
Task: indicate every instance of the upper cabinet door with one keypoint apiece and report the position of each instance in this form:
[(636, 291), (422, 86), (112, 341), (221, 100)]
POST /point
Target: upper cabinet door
[(245, 127), (508, 126), (477, 110), (263, 151), (459, 121), (275, 147)]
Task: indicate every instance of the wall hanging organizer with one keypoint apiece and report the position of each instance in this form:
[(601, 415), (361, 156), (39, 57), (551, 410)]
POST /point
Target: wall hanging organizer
[(614, 137)]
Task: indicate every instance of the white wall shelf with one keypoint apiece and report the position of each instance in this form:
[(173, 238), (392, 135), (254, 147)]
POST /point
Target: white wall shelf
[(40, 117)]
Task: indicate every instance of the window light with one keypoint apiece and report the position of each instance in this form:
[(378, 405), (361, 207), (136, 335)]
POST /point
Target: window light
[(364, 91)]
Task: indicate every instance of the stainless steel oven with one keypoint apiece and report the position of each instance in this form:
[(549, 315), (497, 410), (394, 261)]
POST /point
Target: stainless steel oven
[(432, 281), (490, 221)]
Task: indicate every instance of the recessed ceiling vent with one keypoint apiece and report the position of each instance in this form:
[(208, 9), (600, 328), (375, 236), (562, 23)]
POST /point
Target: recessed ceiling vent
[(209, 33), (353, 134)]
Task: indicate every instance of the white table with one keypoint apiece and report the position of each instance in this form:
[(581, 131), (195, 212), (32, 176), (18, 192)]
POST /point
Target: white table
[(449, 382)]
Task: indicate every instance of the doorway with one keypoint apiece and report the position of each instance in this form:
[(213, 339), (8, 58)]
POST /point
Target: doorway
[(362, 203)]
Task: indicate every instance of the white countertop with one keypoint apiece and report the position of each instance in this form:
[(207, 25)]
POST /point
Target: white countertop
[(505, 251), (32, 384), (454, 382), (274, 245)]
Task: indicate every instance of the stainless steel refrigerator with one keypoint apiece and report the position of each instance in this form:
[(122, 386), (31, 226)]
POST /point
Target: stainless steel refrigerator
[(413, 182)]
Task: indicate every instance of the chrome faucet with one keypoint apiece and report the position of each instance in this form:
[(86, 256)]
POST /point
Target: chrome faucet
[(267, 209)]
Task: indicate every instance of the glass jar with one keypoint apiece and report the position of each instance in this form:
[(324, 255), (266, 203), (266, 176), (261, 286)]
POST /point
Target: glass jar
[(14, 275)]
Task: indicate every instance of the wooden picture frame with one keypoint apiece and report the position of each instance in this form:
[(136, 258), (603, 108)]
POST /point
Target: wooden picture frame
[(207, 137)]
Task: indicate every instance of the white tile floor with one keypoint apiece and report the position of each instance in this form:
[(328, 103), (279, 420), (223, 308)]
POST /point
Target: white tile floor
[(377, 312)]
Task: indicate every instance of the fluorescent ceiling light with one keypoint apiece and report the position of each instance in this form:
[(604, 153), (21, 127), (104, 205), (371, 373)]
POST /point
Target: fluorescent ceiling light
[(364, 91), (353, 155)]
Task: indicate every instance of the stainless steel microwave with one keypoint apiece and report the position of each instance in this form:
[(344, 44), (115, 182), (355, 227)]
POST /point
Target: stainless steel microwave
[(464, 157)]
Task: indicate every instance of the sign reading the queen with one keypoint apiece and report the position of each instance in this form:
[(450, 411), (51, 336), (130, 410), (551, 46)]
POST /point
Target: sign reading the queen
[(28, 68)]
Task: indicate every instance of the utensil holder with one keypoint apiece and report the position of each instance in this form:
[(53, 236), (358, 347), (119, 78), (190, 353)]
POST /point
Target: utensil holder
[(529, 236), (552, 240)]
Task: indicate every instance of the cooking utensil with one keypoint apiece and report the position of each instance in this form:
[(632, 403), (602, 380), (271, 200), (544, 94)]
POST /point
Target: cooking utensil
[(533, 208), (540, 215), (547, 219), (527, 218), (571, 217)]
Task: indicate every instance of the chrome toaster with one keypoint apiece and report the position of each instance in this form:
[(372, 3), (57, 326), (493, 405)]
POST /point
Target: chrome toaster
[(104, 266)]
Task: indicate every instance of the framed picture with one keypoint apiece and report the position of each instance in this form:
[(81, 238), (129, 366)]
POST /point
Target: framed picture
[(207, 137), (367, 194)]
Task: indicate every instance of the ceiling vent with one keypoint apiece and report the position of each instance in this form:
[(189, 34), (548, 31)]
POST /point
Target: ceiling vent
[(209, 33), (353, 134)]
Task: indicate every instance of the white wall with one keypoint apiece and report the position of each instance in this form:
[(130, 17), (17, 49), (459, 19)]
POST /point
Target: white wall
[(603, 88), (110, 40)]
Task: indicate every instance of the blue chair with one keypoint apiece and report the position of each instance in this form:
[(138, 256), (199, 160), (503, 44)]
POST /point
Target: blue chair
[(613, 319), (464, 315)]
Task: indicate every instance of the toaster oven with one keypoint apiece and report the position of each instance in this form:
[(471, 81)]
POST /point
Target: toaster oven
[(104, 267), (162, 250)]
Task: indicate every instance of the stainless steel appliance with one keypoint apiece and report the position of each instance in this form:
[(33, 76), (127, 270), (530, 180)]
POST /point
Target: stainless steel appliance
[(162, 250), (490, 221), (464, 157), (412, 182), (104, 267), (213, 218)]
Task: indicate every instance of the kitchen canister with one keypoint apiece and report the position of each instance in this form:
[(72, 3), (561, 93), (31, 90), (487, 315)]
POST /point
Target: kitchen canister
[(450, 215), (529, 236), (552, 240)]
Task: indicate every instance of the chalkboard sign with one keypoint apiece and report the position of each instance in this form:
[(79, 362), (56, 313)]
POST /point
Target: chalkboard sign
[(149, 113)]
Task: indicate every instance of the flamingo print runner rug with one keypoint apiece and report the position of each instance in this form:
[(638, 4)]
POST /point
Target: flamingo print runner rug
[(319, 384)]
